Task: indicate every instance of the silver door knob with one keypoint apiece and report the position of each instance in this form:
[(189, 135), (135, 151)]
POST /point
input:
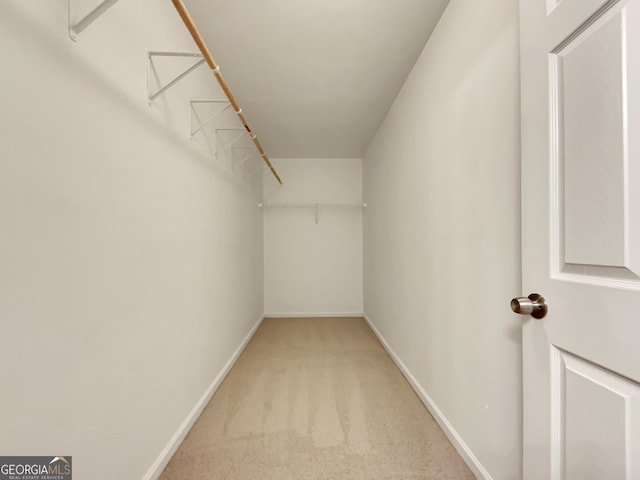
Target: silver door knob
[(534, 305)]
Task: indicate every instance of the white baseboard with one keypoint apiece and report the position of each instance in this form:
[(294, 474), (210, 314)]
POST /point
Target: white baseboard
[(163, 459), (463, 449), (314, 315)]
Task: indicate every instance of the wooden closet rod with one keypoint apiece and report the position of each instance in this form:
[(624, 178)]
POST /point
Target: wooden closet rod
[(188, 21)]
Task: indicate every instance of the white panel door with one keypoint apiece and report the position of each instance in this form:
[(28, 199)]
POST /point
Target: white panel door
[(581, 237)]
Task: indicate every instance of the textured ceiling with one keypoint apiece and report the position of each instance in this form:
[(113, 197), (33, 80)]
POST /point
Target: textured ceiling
[(315, 77)]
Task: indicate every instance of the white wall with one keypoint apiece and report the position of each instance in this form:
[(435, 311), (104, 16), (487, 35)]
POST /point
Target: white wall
[(130, 261), (309, 268), (441, 234)]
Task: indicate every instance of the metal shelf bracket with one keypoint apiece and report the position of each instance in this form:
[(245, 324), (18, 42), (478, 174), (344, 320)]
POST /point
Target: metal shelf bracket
[(235, 139), (76, 29), (150, 56), (201, 125), (245, 158)]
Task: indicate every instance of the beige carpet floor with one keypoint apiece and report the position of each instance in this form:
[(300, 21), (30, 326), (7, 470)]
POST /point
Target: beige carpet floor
[(315, 399)]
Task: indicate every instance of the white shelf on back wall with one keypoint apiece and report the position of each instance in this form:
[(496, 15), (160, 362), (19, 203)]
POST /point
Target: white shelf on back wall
[(314, 206)]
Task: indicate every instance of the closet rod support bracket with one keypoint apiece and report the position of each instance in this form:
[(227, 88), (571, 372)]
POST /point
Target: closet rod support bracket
[(76, 29), (201, 125), (235, 139), (152, 95), (245, 158)]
